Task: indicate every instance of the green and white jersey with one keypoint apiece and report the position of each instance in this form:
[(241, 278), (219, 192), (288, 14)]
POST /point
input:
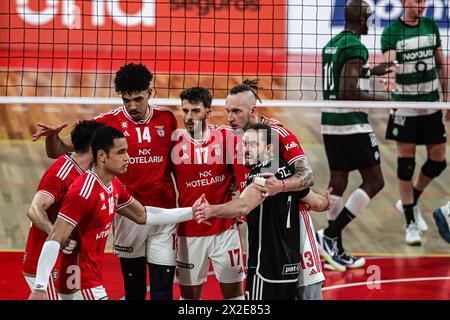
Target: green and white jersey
[(341, 121), (416, 74)]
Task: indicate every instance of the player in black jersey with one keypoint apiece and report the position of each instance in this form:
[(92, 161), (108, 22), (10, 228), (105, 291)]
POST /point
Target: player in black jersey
[(273, 257)]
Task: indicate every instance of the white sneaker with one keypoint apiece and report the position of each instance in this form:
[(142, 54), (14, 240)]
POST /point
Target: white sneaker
[(421, 224), (412, 235)]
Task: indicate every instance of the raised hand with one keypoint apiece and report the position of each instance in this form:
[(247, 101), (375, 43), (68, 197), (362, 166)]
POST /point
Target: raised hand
[(48, 130)]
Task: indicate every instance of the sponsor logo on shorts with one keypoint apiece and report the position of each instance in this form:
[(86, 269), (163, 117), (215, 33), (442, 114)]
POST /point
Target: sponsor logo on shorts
[(376, 155), (373, 139), (400, 120), (185, 265), (123, 249), (395, 132), (291, 268), (55, 274)]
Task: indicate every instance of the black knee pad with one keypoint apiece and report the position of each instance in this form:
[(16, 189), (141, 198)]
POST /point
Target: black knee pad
[(405, 168), (161, 281), (433, 168)]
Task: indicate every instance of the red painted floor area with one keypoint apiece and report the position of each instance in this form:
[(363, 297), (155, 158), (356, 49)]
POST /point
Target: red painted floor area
[(388, 278), (392, 278)]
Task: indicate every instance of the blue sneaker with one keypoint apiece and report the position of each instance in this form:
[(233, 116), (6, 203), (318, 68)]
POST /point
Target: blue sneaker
[(442, 222)]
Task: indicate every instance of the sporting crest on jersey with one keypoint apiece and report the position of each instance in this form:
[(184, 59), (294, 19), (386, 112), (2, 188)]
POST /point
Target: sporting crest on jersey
[(160, 131), (218, 149), (124, 124), (102, 196), (55, 274)]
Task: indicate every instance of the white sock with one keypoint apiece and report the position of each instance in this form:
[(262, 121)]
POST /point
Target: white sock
[(337, 207), (237, 298), (357, 201)]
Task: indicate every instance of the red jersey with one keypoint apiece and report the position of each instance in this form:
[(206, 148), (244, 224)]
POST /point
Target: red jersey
[(54, 183), (289, 150), (148, 176), (90, 207), (201, 167)]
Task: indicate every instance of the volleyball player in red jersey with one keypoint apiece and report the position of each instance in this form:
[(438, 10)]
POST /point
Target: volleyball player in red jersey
[(89, 209), (200, 166), (148, 130), (47, 201), (242, 112)]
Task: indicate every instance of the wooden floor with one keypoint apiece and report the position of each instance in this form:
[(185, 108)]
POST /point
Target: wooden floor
[(378, 231)]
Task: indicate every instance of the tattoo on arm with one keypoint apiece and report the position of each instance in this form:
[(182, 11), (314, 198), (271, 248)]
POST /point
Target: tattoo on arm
[(304, 173)]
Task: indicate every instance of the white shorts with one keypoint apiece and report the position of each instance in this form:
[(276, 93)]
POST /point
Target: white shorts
[(52, 294), (156, 242), (96, 293), (224, 250), (311, 271)]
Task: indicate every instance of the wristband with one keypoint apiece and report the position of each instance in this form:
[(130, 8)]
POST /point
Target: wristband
[(260, 181)]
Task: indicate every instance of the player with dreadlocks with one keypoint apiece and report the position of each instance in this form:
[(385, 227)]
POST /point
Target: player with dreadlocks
[(242, 113)]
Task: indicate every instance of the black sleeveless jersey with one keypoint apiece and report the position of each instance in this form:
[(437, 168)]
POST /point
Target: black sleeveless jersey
[(274, 230)]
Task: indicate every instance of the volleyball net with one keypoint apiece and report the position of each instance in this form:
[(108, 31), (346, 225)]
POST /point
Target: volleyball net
[(67, 51)]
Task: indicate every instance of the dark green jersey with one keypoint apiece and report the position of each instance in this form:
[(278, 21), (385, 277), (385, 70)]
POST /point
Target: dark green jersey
[(416, 74), (341, 48)]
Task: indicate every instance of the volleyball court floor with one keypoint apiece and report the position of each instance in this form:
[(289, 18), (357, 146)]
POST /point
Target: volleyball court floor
[(393, 270)]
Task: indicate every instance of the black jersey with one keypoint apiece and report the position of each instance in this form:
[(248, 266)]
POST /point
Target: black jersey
[(274, 230)]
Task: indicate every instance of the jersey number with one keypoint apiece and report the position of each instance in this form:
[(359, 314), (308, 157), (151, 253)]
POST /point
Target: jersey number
[(143, 135), (288, 222), (202, 155), (310, 261), (328, 76), (235, 252)]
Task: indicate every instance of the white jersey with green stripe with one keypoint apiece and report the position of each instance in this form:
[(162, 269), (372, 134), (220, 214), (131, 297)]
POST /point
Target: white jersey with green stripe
[(342, 121), (416, 73)]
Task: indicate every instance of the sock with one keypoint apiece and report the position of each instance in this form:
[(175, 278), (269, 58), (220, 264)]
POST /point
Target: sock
[(417, 194), (409, 213), (341, 221), (356, 203), (339, 239)]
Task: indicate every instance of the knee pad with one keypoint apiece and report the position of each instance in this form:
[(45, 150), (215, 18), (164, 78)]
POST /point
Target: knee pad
[(433, 168), (405, 168), (161, 281)]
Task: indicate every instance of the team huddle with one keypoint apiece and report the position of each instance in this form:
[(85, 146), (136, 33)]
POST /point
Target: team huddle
[(169, 193)]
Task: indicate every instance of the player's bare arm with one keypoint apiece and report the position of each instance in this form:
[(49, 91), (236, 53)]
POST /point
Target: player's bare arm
[(443, 74), (37, 212), (59, 236), (389, 83), (302, 178), (250, 198), (319, 201), (349, 84), (54, 145)]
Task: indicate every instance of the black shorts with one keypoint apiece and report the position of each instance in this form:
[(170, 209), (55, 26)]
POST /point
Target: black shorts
[(258, 289), (428, 129), (351, 151)]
